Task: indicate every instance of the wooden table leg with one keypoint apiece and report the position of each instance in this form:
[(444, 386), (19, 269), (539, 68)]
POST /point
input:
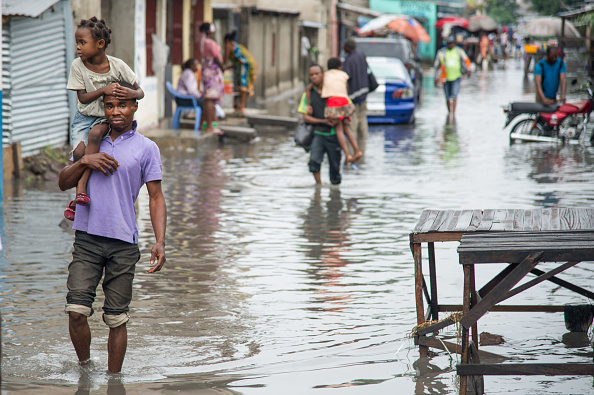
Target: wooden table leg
[(419, 289), (433, 282), (465, 357), (473, 301)]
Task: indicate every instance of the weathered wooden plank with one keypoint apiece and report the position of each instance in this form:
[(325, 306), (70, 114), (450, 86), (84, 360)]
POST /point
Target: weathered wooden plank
[(518, 220), (514, 256), (526, 369), (585, 220), (429, 221), (519, 308), (436, 237), (590, 213), (421, 221), (443, 227), (465, 355), (496, 280), (418, 258), (536, 220), (558, 240), (442, 216), (565, 284), (493, 242), (532, 234), (555, 219), (498, 220), (563, 242), (463, 220), (477, 216), (508, 223), (453, 347), (566, 219), (433, 282), (559, 244), (514, 246), (537, 280), (575, 222), (451, 224), (487, 221), (527, 225), (500, 289), (435, 327), (546, 219)]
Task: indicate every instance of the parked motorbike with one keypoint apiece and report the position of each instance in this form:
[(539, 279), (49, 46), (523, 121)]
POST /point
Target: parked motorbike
[(564, 123)]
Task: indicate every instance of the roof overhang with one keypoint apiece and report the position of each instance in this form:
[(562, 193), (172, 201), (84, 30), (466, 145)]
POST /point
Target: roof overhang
[(314, 25), (274, 11), (576, 13), (30, 8), (358, 10)]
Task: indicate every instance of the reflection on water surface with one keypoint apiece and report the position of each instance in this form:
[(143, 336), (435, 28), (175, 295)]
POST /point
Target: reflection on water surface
[(273, 286)]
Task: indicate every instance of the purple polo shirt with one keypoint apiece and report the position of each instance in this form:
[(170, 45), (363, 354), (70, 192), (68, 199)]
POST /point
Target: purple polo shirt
[(111, 212)]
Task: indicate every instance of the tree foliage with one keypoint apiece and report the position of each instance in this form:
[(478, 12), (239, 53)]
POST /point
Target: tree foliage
[(502, 11), (553, 7)]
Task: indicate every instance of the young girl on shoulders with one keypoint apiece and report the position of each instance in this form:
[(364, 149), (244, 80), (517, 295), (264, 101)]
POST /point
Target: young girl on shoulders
[(91, 76), (338, 106)]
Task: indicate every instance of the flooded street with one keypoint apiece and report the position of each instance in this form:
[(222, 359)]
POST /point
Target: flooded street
[(275, 287)]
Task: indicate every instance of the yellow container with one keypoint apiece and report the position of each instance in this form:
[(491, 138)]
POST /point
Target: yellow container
[(531, 48)]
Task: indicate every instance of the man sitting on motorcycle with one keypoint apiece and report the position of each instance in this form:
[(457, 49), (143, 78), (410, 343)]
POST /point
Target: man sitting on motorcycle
[(549, 73)]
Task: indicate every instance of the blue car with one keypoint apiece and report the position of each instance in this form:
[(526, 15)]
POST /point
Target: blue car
[(394, 101)]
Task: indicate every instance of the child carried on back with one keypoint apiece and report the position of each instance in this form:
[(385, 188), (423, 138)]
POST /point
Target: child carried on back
[(338, 106), (92, 75)]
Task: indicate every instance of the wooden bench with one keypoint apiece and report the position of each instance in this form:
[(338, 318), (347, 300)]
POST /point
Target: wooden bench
[(522, 251)]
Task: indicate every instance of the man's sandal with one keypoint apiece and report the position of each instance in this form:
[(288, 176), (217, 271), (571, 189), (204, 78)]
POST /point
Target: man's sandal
[(69, 212), (83, 199)]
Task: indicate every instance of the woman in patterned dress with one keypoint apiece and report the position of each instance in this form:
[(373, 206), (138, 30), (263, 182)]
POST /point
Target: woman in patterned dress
[(212, 76), (244, 67)]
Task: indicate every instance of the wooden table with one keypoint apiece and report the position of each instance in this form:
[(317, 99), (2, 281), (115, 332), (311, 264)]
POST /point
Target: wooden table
[(450, 225), (522, 251)]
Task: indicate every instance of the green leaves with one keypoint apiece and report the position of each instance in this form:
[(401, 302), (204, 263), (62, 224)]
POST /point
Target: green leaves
[(502, 11)]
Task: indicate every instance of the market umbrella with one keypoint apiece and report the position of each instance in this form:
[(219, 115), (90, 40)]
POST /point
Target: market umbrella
[(454, 21), (547, 26), (408, 26), (481, 22)]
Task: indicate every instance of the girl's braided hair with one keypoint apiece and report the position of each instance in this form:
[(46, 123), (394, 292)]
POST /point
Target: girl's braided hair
[(98, 28)]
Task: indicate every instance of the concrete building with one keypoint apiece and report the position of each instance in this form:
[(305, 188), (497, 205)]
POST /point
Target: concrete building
[(154, 37), (284, 38)]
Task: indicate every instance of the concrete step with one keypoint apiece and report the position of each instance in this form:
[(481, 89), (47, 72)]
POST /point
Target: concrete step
[(238, 132), (272, 120)]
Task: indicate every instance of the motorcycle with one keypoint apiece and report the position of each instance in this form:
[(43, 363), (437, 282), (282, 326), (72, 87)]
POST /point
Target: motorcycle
[(565, 123)]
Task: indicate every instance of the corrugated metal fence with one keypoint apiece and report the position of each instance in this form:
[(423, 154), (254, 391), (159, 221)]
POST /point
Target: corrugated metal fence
[(6, 85), (39, 115)]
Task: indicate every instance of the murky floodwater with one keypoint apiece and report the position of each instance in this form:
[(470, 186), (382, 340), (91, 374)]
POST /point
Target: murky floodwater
[(275, 287)]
